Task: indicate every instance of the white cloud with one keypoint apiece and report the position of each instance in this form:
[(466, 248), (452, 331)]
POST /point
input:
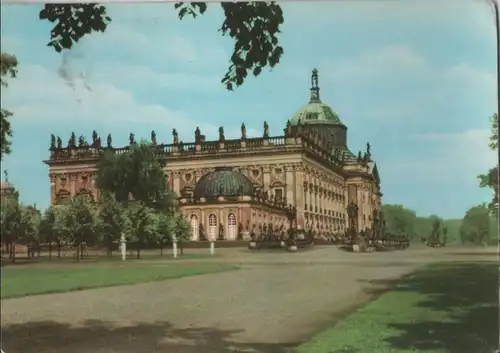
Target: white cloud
[(38, 95), (455, 157)]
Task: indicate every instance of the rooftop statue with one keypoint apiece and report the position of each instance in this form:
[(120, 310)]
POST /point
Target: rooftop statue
[(59, 142), (52, 141), (72, 141), (314, 78), (222, 138), (153, 137), (109, 141), (243, 131), (176, 136), (131, 138), (94, 137), (197, 135), (266, 129)]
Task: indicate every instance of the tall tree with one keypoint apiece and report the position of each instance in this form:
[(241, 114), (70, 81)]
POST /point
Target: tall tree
[(51, 229), (137, 174), (80, 222), (8, 69), (165, 229), (143, 225), (182, 230), (114, 221), (490, 179), (475, 228), (11, 215), (254, 27), (399, 220)]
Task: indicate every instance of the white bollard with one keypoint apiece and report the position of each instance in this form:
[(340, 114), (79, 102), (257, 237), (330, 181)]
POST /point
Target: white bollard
[(212, 248), (174, 247), (123, 243)]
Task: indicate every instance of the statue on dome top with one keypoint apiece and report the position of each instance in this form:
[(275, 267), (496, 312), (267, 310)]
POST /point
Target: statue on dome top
[(314, 78)]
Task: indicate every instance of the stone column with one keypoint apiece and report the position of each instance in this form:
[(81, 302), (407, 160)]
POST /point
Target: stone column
[(266, 177), (300, 195), (73, 181), (291, 196), (53, 180), (177, 183)]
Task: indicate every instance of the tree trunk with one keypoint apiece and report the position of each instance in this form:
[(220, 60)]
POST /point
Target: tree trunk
[(50, 249), (58, 249), (38, 249), (161, 249), (77, 253), (82, 246), (138, 249), (182, 247), (13, 250)]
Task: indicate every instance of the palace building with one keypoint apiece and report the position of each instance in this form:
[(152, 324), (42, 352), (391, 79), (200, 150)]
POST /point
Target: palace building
[(232, 187)]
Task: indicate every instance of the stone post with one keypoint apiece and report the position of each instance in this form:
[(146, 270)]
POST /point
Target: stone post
[(123, 247), (212, 247), (174, 246)]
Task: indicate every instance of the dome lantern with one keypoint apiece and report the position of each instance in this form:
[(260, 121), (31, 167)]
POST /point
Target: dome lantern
[(315, 112)]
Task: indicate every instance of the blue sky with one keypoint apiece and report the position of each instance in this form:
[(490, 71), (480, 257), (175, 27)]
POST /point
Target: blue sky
[(415, 78)]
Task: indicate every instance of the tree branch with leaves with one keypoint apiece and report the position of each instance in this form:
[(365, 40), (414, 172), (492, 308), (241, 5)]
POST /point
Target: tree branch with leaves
[(490, 179), (253, 26), (8, 69)]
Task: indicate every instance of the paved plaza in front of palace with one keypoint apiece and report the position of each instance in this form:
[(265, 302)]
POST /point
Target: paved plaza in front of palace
[(275, 301)]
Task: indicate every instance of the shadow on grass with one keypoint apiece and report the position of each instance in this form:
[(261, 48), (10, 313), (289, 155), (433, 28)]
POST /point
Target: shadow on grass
[(103, 337), (467, 296)]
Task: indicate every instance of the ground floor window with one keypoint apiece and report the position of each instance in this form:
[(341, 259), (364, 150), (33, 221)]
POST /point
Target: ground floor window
[(231, 225), (195, 228)]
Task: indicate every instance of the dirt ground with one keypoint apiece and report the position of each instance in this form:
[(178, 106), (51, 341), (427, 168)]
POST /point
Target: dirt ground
[(276, 301)]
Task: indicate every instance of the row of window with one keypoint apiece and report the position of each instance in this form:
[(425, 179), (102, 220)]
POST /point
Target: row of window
[(213, 226)]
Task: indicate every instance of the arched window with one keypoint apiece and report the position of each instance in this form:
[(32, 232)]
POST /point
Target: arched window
[(212, 227), (195, 228), (231, 227)]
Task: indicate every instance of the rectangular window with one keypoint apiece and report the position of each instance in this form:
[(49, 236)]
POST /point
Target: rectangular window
[(278, 193)]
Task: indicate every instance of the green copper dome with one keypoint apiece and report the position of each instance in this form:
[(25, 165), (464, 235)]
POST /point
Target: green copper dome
[(315, 112), (223, 182)]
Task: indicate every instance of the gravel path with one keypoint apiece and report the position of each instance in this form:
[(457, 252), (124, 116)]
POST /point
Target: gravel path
[(274, 302)]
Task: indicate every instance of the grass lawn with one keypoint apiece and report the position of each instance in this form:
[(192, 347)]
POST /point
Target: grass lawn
[(26, 280), (445, 308)]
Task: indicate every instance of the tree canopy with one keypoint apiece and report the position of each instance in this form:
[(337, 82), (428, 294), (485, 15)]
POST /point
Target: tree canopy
[(253, 26), (476, 227), (137, 174), (8, 69), (490, 178)]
